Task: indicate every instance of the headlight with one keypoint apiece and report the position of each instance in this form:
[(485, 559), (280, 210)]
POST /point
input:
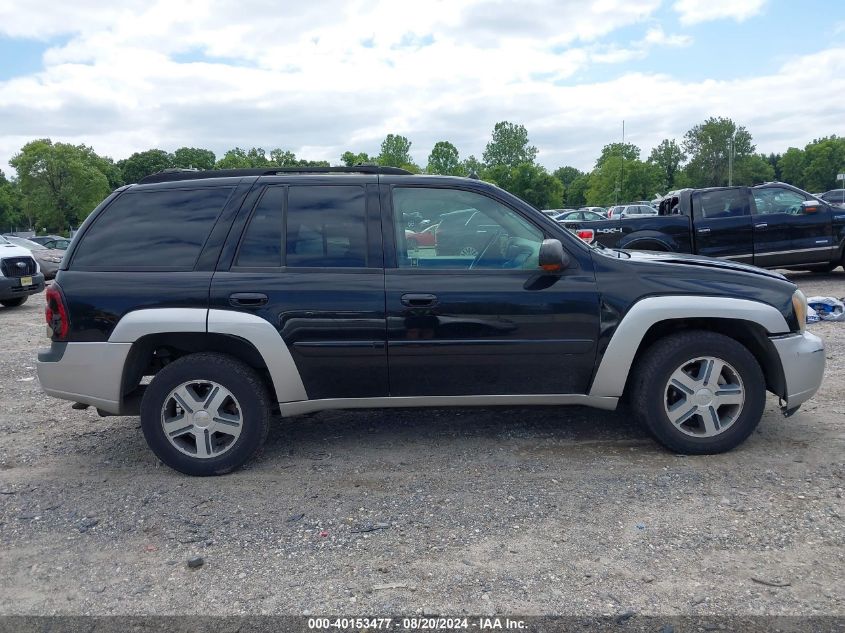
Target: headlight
[(799, 305)]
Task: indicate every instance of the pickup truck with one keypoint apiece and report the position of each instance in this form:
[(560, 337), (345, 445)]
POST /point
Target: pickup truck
[(773, 225)]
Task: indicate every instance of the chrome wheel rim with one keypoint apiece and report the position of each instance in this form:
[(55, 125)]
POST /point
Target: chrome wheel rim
[(468, 251), (202, 419), (704, 397)]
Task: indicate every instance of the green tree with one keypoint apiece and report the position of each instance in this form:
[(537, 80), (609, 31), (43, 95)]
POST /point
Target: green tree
[(791, 166), (60, 183), (753, 170), (194, 158), (444, 160), (350, 159), (613, 182), (257, 157), (142, 164), (667, 157), (575, 195), (568, 176), (824, 159), (472, 166), (774, 160), (530, 182), (509, 146), (282, 158), (238, 158), (233, 159), (707, 146), (395, 152), (11, 216), (628, 151)]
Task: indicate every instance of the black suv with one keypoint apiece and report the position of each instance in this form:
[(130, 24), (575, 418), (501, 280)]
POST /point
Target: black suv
[(207, 301)]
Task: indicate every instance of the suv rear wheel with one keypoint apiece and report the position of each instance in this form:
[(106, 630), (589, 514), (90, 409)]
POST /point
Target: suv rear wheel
[(699, 392), (205, 414)]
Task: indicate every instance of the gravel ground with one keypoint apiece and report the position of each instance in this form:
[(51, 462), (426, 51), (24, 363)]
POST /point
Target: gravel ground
[(529, 511)]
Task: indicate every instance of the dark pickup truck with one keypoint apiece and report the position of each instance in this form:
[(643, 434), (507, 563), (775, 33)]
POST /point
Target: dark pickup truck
[(773, 225)]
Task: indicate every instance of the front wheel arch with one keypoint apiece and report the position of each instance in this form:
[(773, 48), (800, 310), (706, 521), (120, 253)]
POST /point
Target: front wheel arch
[(752, 336)]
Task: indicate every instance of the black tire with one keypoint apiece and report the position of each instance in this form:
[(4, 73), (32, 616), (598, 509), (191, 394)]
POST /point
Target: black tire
[(651, 378), (240, 379), (14, 303)]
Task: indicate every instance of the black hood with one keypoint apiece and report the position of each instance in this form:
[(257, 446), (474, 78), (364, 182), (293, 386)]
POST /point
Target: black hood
[(655, 257)]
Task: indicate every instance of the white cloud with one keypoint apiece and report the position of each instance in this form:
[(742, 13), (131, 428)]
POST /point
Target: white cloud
[(694, 11), (656, 36), (302, 80)]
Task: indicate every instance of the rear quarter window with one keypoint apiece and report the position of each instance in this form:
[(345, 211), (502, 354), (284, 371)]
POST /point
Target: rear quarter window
[(151, 230)]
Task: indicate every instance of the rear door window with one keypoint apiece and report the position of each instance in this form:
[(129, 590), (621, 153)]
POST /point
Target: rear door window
[(151, 230), (726, 203), (326, 227), (261, 246)]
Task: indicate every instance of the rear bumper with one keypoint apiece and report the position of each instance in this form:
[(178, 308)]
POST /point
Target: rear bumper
[(91, 373), (10, 287), (802, 358)]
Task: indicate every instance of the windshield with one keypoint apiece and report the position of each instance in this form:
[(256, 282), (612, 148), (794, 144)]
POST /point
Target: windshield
[(27, 244)]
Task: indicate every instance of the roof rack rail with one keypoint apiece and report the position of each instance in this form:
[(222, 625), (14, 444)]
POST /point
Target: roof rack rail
[(169, 175)]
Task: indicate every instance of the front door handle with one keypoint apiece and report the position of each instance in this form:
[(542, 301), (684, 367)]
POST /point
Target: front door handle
[(248, 299), (761, 226), (704, 230), (419, 300)]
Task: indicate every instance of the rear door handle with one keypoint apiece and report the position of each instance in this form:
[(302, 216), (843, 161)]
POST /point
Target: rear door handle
[(248, 299), (419, 300), (761, 226), (704, 230)]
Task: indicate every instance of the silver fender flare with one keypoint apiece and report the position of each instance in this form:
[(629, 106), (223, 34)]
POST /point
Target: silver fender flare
[(257, 331), (616, 362)]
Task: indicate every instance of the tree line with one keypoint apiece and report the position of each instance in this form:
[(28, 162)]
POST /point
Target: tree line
[(57, 184)]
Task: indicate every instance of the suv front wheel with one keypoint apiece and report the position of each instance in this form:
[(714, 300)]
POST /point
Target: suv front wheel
[(698, 392), (205, 414)]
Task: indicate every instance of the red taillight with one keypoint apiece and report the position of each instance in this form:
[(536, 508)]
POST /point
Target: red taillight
[(585, 234), (56, 313)]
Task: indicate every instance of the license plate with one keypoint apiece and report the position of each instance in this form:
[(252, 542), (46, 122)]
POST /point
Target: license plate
[(26, 281)]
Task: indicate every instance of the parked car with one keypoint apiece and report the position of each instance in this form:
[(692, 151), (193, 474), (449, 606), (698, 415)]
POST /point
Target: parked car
[(48, 258), (773, 225), (20, 275), (52, 241), (599, 210), (426, 237), (578, 216), (630, 210), (261, 291), (835, 197), (467, 233)]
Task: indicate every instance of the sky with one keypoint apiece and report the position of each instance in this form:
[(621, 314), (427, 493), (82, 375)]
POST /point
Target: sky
[(324, 76)]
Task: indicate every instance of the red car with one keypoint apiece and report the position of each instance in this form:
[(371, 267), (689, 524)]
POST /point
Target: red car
[(426, 237)]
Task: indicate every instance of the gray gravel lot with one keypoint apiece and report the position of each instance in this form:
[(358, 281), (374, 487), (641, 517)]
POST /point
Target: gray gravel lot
[(530, 511)]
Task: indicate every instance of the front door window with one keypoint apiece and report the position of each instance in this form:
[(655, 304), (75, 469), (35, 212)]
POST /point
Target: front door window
[(451, 229)]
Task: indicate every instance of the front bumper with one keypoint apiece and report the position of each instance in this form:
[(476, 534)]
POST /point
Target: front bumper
[(90, 373), (802, 358), (10, 287)]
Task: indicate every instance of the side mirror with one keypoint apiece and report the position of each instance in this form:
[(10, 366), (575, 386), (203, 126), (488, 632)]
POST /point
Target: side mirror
[(552, 256), (811, 206)]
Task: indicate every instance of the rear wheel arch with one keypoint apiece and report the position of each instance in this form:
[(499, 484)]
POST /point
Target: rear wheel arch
[(648, 244), (150, 353)]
